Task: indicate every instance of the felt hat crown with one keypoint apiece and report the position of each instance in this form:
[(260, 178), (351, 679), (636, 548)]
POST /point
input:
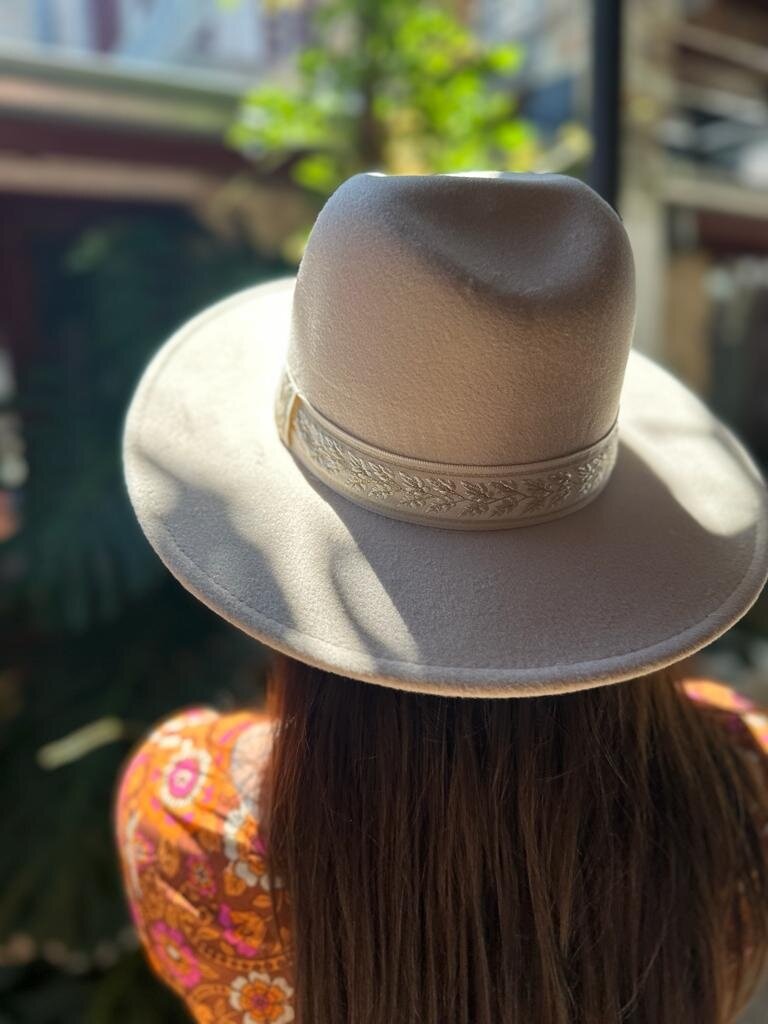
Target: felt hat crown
[(431, 462), (486, 339)]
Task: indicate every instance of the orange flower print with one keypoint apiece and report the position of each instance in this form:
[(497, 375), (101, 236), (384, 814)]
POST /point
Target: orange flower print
[(195, 866), (261, 999), (184, 776), (168, 857), (175, 957), (244, 931), (240, 848)]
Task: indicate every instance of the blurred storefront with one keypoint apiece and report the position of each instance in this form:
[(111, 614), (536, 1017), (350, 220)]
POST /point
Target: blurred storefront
[(224, 38), (80, 145), (117, 113), (695, 197)]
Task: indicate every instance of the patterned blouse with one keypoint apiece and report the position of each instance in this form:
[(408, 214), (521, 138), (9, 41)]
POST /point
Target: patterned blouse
[(193, 858)]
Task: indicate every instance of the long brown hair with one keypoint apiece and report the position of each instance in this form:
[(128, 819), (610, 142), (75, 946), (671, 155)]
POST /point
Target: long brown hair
[(590, 858)]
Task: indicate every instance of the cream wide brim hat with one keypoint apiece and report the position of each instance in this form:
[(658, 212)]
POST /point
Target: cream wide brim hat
[(670, 554)]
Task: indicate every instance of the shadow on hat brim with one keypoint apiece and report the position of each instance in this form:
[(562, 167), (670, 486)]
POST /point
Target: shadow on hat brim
[(667, 558)]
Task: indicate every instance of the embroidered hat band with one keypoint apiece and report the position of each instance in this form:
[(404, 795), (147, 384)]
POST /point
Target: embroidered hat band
[(436, 493)]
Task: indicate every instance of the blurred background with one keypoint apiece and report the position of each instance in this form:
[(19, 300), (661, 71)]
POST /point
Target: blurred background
[(156, 155)]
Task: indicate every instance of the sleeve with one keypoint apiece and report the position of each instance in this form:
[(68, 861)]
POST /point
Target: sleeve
[(744, 711), (756, 721), (195, 874)]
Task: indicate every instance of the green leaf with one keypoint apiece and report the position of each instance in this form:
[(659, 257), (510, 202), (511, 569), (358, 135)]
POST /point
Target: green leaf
[(505, 59), (513, 134), (318, 173)]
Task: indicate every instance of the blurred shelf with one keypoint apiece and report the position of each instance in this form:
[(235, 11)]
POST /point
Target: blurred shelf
[(709, 193), (721, 45)]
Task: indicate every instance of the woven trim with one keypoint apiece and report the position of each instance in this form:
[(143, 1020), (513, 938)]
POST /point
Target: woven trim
[(435, 493)]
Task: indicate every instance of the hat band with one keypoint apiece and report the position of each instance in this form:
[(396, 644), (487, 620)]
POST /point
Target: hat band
[(436, 493)]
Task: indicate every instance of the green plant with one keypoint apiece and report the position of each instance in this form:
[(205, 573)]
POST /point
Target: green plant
[(389, 85)]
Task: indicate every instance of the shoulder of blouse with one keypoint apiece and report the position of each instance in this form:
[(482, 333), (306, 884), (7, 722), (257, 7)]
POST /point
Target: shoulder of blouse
[(194, 864), (741, 710)]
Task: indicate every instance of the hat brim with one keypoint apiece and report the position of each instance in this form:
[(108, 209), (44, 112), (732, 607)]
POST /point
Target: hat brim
[(666, 559)]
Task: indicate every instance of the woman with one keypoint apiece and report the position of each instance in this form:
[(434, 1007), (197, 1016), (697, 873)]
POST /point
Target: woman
[(598, 856), (532, 816)]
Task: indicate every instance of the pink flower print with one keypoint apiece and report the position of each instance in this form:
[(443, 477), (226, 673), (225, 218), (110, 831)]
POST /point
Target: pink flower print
[(184, 775), (176, 957)]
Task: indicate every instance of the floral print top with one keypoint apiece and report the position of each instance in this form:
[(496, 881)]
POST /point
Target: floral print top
[(194, 867), (193, 857)]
